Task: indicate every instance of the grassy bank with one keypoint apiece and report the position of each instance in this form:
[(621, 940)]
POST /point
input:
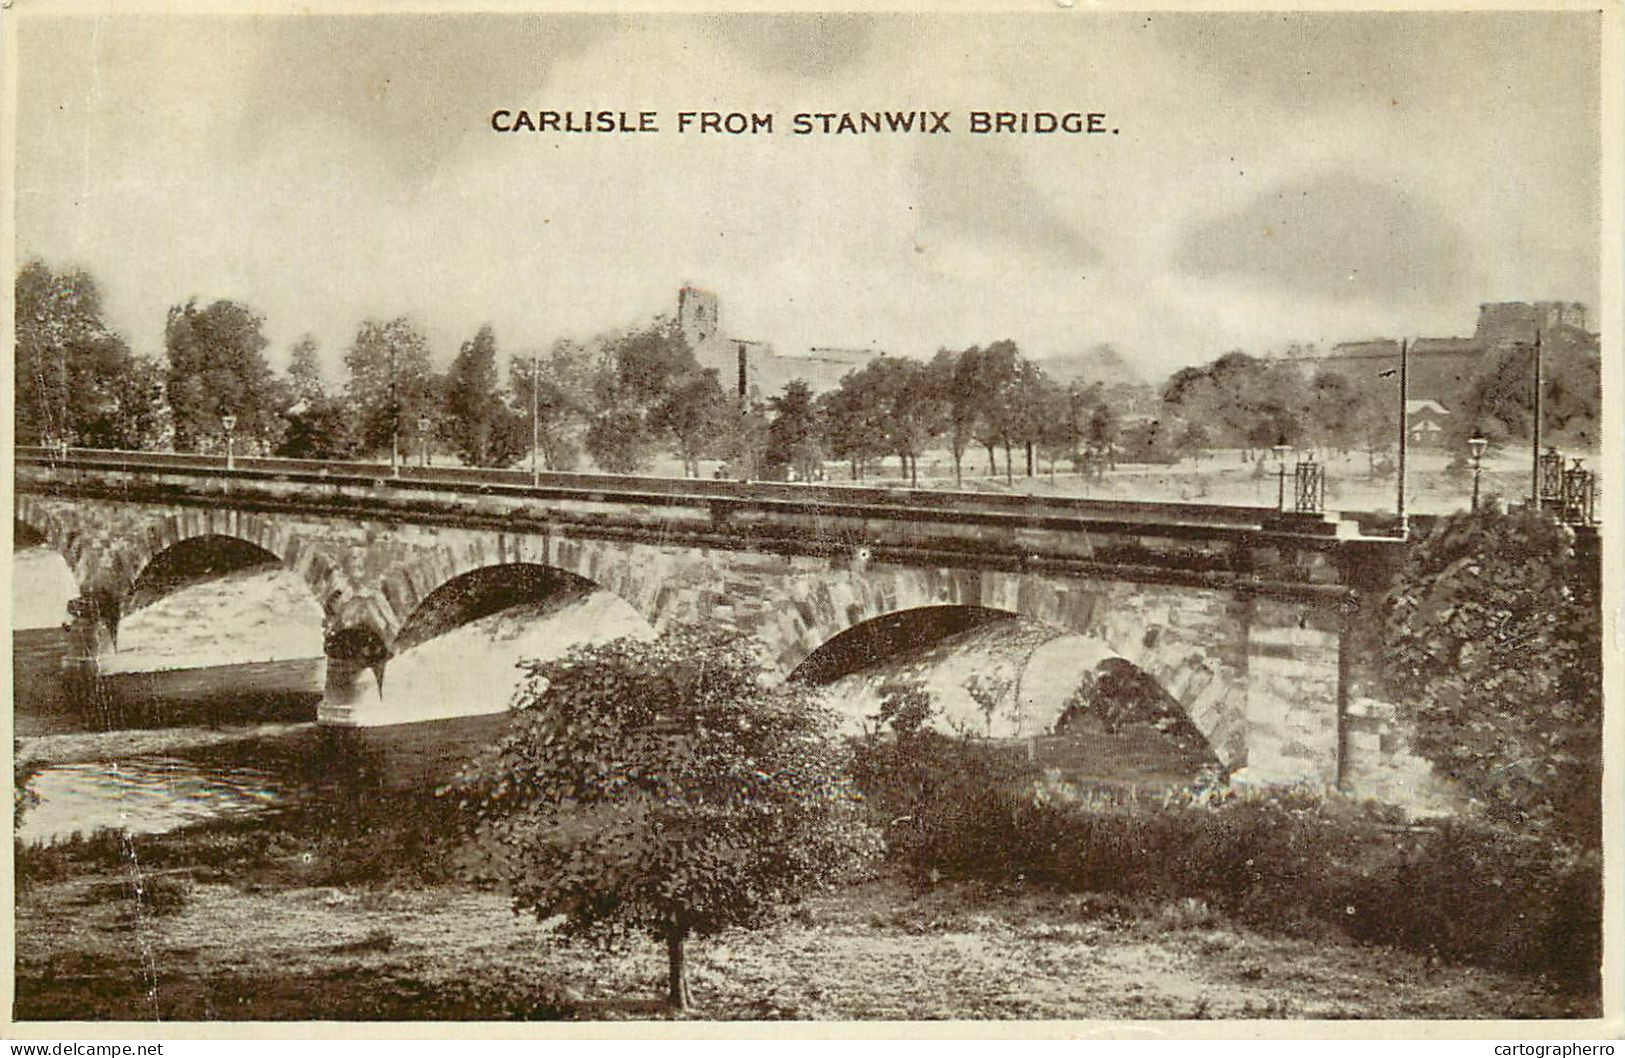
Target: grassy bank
[(374, 913), (91, 948), (360, 901)]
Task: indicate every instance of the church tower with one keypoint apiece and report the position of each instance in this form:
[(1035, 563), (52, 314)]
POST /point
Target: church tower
[(697, 316)]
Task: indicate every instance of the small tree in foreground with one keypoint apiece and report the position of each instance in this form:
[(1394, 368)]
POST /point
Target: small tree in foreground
[(666, 788)]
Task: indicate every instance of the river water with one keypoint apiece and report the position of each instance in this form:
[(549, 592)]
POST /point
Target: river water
[(141, 795), (994, 675)]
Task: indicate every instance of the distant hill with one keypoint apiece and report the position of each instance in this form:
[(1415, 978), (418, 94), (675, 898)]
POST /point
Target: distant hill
[(1098, 363)]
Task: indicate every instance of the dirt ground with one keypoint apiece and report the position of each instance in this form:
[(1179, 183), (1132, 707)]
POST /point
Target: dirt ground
[(194, 950)]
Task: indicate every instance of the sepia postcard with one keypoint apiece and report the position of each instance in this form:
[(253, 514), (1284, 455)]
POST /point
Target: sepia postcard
[(1030, 519)]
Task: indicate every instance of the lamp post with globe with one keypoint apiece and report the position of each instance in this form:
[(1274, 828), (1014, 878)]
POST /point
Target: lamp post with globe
[(1476, 446)]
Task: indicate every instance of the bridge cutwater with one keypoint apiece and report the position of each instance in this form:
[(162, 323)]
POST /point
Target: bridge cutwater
[(1242, 614)]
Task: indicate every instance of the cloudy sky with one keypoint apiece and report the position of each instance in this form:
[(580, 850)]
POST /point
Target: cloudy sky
[(1274, 178)]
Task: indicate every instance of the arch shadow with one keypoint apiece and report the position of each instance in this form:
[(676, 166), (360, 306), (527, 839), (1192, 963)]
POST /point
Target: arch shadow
[(1128, 621)]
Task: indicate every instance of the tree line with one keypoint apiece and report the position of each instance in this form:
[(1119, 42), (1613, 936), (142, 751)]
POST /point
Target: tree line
[(622, 400)]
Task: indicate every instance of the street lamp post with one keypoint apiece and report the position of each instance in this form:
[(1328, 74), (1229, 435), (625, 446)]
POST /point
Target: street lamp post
[(1534, 444), (535, 416), (423, 440), (1281, 450), (229, 423), (1477, 445), (1404, 436), (394, 419), (62, 424)]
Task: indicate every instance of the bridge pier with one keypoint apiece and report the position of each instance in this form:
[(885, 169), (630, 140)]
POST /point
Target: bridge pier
[(1294, 694), (91, 641), (353, 694), (353, 680)]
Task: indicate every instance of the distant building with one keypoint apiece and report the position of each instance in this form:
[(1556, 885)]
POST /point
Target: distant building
[(751, 367), (1426, 422), (1441, 369), (821, 367)]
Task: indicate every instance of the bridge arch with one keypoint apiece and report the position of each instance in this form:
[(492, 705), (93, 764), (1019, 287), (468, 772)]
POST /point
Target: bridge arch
[(59, 534), (404, 590), (115, 567), (136, 553), (1137, 624), (486, 590)]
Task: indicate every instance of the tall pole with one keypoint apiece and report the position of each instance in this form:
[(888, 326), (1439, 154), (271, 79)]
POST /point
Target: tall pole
[(535, 416), (394, 419), (62, 426), (1534, 450), (1404, 427)]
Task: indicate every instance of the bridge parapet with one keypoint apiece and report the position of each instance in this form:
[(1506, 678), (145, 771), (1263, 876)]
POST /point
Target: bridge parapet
[(1206, 544)]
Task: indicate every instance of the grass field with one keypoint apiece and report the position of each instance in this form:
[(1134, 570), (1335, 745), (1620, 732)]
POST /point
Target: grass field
[(90, 948)]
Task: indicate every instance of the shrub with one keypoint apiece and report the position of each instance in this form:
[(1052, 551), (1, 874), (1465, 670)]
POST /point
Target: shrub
[(143, 894), (666, 788), (1493, 650), (943, 803), (1292, 862)]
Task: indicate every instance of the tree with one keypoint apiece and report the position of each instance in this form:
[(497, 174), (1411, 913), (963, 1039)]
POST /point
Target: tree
[(1493, 650), (305, 381), (951, 373), (696, 415), (1030, 385), (793, 435), (651, 362), (1193, 439), (1102, 433), (1499, 403), (618, 440), (1222, 393), (666, 789), (744, 440), (571, 377), (1055, 432), (319, 425), (898, 407), (76, 379), (996, 375), (391, 383), (217, 367), (1334, 410), (318, 428), (853, 424), (478, 420)]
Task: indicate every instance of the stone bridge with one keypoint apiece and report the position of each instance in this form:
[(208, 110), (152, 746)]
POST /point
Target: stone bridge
[(1240, 614)]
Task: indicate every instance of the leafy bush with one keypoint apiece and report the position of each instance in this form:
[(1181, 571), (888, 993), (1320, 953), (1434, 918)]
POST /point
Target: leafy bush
[(143, 894), (1493, 651), (1289, 862), (943, 802), (665, 788)]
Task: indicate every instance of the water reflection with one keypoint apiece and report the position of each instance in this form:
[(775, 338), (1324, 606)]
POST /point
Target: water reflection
[(141, 795), (1000, 677)]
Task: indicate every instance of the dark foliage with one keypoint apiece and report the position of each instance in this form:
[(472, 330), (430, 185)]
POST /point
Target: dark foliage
[(76, 379), (217, 367), (665, 788), (1493, 650), (1289, 862)]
